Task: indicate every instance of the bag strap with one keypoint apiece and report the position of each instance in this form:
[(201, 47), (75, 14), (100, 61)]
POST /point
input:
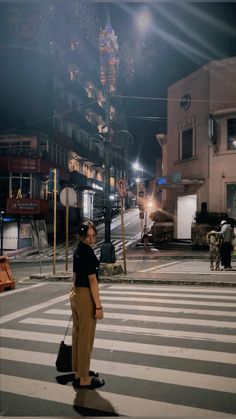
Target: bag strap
[(67, 328)]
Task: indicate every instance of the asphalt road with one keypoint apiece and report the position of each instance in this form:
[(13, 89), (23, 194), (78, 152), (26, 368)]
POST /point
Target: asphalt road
[(162, 350)]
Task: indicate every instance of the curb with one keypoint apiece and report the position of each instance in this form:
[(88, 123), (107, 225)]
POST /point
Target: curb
[(138, 257), (153, 281)]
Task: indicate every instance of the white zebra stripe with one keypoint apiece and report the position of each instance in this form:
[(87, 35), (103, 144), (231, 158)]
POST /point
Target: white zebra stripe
[(31, 309), (139, 372), (168, 301), (124, 317), (147, 349), (197, 322), (157, 288), (100, 400), (16, 291), (101, 327), (167, 309), (169, 294), (180, 334)]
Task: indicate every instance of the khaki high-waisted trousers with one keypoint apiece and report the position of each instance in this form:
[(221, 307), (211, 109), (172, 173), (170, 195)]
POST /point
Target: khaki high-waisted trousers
[(84, 324)]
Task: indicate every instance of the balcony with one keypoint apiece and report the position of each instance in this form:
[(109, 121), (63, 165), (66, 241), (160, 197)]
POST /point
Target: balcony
[(27, 206)]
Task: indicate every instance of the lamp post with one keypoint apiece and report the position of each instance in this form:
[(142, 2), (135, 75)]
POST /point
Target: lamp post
[(108, 48), (1, 231), (141, 197)]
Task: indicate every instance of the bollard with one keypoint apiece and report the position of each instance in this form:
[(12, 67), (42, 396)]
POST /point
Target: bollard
[(6, 278)]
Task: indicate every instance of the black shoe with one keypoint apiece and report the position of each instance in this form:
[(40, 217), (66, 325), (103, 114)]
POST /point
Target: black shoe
[(65, 379), (93, 374), (95, 383)]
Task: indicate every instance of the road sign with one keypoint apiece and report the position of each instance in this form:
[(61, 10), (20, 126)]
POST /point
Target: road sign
[(51, 180), (70, 195)]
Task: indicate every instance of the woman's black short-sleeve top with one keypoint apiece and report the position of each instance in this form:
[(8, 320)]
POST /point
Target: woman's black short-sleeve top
[(85, 263)]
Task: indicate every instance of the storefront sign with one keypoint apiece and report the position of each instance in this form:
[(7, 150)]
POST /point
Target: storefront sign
[(27, 206)]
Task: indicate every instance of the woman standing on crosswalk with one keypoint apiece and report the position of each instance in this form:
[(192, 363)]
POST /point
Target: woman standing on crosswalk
[(86, 308)]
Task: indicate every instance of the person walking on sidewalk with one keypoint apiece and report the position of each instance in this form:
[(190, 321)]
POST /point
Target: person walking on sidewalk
[(213, 240), (227, 235), (86, 308)]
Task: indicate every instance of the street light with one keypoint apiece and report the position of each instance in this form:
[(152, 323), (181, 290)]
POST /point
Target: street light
[(144, 19), (137, 167)]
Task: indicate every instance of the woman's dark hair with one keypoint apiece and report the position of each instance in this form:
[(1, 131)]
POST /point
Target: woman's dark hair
[(83, 229)]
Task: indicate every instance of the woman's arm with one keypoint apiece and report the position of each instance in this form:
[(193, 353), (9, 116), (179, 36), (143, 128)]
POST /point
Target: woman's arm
[(94, 288)]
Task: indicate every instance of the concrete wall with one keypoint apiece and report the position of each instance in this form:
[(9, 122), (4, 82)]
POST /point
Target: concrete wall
[(213, 90)]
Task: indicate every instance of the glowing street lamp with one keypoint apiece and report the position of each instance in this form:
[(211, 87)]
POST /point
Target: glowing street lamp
[(144, 19)]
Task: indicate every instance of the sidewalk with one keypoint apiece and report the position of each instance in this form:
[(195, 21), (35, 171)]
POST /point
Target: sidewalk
[(168, 251), (170, 264)]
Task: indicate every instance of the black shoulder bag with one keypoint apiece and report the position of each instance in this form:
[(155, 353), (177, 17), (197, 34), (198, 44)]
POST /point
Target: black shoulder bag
[(64, 357)]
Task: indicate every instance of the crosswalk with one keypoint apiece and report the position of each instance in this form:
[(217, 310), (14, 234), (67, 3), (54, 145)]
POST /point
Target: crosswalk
[(163, 351), (61, 251)]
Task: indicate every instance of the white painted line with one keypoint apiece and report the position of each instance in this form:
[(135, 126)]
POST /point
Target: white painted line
[(34, 336), (100, 400), (168, 376), (12, 292), (147, 349), (172, 300), (176, 334), (139, 372), (159, 266), (170, 294), (171, 320), (32, 309), (196, 289), (179, 310), (101, 327), (137, 318), (166, 351)]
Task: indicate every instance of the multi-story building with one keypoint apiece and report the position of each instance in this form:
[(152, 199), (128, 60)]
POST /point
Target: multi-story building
[(53, 113), (199, 150)]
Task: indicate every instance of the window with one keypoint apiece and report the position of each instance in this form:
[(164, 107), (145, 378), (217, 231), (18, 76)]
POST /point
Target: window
[(231, 200), (231, 133), (20, 185), (186, 146)]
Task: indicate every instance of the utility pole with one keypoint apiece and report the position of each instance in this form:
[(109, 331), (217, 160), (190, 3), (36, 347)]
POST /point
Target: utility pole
[(1, 230), (107, 248), (108, 68)]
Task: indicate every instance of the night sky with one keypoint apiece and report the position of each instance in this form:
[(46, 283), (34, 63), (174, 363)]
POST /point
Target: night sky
[(180, 38)]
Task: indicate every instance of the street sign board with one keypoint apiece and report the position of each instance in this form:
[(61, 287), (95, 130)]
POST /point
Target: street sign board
[(51, 180), (68, 194)]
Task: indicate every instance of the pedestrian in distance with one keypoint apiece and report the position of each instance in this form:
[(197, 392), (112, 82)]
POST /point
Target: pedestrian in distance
[(145, 237), (213, 239), (86, 308), (227, 235)]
